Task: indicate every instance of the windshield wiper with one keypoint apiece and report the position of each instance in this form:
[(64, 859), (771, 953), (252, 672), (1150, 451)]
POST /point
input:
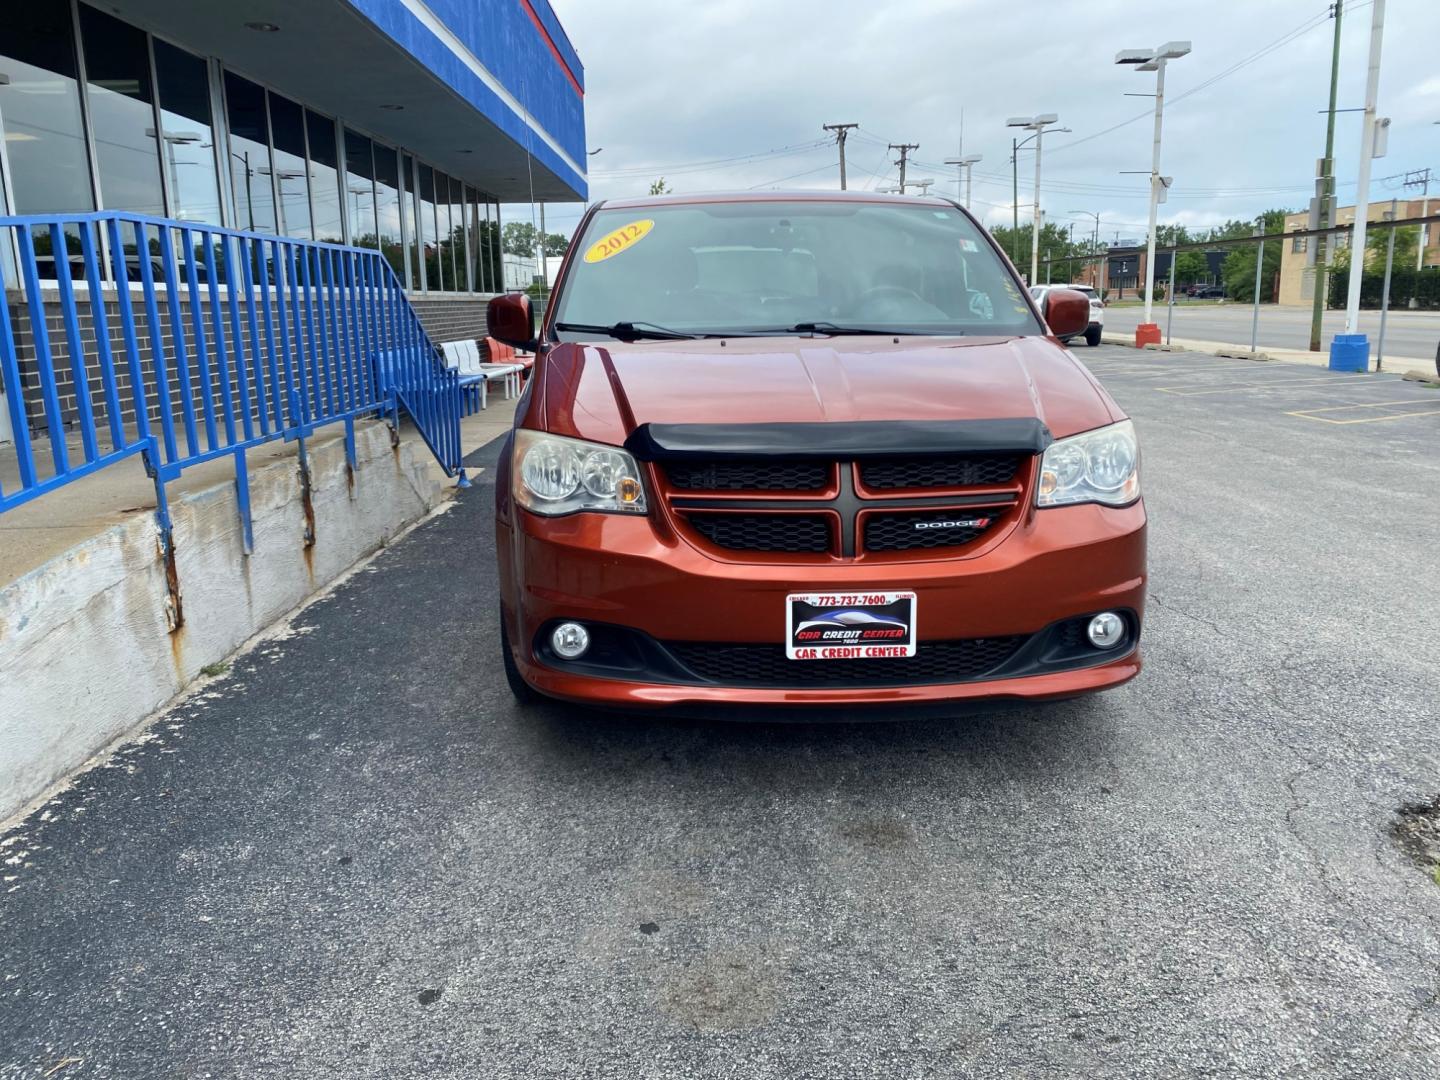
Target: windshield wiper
[(835, 330), (628, 331)]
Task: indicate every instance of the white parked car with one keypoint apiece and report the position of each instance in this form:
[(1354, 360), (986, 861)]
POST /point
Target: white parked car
[(1097, 309)]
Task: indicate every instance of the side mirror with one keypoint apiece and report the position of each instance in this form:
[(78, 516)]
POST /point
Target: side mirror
[(1066, 311), (510, 319)]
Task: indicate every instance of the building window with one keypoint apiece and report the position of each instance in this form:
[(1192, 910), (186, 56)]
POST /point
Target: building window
[(1299, 245), (414, 263), (432, 281), (292, 178), (40, 110), (387, 207), (359, 189), (497, 254), (187, 136), (122, 113), (249, 160), (324, 178)]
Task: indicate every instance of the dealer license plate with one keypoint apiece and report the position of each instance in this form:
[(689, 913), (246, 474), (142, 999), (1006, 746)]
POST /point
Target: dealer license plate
[(850, 626)]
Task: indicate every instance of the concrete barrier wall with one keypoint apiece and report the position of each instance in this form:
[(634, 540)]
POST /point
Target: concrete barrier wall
[(86, 649)]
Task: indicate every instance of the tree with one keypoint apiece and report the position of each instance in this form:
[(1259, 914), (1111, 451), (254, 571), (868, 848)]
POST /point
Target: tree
[(1238, 270), (659, 187), (520, 238), (1065, 258), (1190, 267)]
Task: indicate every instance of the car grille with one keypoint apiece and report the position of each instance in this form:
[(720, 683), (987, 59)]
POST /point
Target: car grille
[(768, 666), (909, 530), (750, 476), (968, 470), (841, 509), (798, 533)]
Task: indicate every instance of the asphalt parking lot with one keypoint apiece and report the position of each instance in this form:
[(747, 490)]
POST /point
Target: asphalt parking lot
[(354, 857)]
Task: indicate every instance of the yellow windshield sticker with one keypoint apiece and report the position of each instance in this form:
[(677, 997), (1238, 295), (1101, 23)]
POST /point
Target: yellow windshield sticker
[(616, 241)]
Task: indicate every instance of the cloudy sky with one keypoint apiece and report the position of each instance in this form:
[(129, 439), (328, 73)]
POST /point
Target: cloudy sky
[(746, 84)]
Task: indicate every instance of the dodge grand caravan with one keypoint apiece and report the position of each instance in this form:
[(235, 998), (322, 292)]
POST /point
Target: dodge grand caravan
[(810, 450)]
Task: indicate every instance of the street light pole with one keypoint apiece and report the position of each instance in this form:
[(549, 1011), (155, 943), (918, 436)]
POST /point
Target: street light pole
[(1037, 124), (963, 166), (1094, 244), (1350, 351), (1148, 333)]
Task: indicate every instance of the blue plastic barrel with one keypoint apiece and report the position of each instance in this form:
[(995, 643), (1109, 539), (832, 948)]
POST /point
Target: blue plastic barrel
[(1350, 352)]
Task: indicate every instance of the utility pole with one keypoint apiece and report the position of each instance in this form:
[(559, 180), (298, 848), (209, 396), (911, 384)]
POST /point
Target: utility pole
[(1036, 125), (1350, 351), (1325, 189), (841, 131), (904, 149)]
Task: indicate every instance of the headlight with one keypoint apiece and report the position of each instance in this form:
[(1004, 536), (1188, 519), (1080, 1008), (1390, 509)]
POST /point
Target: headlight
[(1100, 466), (554, 475)]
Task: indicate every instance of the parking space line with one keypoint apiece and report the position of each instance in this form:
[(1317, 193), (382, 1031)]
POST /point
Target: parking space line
[(1311, 414), (1280, 382)]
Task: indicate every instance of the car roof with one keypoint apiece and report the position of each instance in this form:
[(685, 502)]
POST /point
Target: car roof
[(775, 196)]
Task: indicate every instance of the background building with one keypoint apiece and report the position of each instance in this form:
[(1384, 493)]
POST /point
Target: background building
[(1297, 285), (380, 123)]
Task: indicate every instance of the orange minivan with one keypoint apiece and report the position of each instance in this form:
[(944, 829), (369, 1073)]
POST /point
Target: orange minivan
[(809, 451)]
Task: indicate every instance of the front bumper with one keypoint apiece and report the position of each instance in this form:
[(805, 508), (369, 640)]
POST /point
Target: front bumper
[(617, 571)]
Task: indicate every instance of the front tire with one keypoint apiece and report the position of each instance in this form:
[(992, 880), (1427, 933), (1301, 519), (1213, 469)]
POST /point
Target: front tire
[(525, 694), (1092, 336)]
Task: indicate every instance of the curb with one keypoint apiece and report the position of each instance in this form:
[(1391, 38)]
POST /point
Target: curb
[(1424, 378), (1230, 354)]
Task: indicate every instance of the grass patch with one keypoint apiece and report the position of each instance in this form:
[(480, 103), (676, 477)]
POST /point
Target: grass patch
[(1416, 831), (211, 670)]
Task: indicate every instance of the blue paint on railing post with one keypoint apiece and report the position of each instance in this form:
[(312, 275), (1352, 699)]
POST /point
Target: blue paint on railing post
[(138, 400), (14, 399), (101, 323), (76, 348), (157, 346), (177, 340)]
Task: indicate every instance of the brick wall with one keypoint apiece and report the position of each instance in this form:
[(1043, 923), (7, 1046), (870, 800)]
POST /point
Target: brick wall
[(451, 318)]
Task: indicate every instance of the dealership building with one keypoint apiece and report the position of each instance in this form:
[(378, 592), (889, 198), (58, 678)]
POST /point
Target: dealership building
[(396, 125)]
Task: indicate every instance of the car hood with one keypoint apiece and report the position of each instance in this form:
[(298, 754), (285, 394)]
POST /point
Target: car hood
[(603, 392)]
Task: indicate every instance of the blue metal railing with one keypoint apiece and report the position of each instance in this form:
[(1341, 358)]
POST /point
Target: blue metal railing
[(200, 342)]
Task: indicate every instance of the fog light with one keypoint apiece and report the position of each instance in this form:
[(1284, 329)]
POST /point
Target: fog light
[(570, 640), (1105, 630)]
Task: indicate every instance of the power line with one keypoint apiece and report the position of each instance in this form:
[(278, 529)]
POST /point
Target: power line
[(697, 166)]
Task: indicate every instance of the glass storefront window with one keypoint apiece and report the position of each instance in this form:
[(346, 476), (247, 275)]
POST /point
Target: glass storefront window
[(407, 211), (428, 241), (40, 111), (287, 127), (497, 257), (324, 178), (359, 189), (122, 112), (387, 207), (249, 155), (455, 268), (187, 136)]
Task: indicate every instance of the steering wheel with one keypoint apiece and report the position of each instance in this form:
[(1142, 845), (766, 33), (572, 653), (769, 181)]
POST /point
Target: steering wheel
[(889, 292)]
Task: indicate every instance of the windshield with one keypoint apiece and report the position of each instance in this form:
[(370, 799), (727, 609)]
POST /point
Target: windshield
[(788, 267)]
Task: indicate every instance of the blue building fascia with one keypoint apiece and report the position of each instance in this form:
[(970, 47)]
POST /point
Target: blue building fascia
[(510, 60)]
